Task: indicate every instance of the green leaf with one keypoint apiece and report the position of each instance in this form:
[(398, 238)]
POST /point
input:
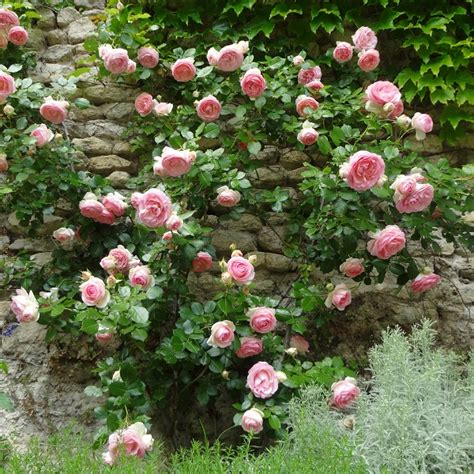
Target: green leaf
[(139, 314), (3, 366), (204, 71), (391, 152), (274, 422), (82, 103), (212, 130), (324, 145), (283, 10), (89, 326), (21, 123), (254, 147), (154, 293), (117, 389)]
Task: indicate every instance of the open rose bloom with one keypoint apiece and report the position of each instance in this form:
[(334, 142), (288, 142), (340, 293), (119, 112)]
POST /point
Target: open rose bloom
[(386, 242), (240, 270), (383, 98), (262, 319), (352, 267), (423, 124), (94, 293), (252, 421), (202, 262), (141, 276), (208, 108), (119, 260), (222, 334), (249, 347), (412, 193), (183, 70), (262, 379), (55, 111), (342, 52), (7, 85), (144, 104), (304, 105), (229, 58), (340, 297), (153, 207), (344, 393), (148, 57), (227, 197), (253, 83), (42, 134), (363, 170), (173, 162), (132, 441), (425, 282), (299, 343), (25, 306), (93, 209)]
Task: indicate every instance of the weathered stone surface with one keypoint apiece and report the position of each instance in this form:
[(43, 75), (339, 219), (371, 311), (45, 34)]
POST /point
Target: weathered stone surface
[(47, 73), (431, 145), (55, 37), (58, 54), (80, 30), (90, 3), (123, 149), (67, 16), (222, 239), (99, 94), (50, 224), (247, 222), (279, 263), (267, 178), (96, 128), (294, 159), (4, 242), (93, 146), (42, 258), (270, 241), (37, 40), (32, 245), (120, 111), (47, 20), (269, 154), (119, 179), (84, 115), (295, 176), (106, 164)]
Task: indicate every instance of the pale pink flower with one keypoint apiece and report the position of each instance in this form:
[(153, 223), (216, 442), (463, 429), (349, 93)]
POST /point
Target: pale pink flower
[(363, 170), (304, 102), (202, 262), (173, 162), (18, 36), (386, 242), (364, 38), (94, 293), (425, 282), (230, 58), (252, 421), (148, 57), (116, 60), (298, 60), (144, 104), (344, 393), (55, 111), (368, 60), (340, 297), (309, 74), (183, 70), (352, 267), (25, 306), (241, 270), (253, 83), (7, 85), (299, 343), (42, 134), (162, 108), (141, 276), (342, 52), (209, 109), (249, 347), (153, 207), (115, 203), (227, 197), (174, 223), (222, 334), (262, 319), (262, 380), (308, 136), (423, 124)]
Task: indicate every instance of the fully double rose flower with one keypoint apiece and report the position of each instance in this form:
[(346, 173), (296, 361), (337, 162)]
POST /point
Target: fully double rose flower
[(42, 134), (183, 70), (308, 75), (303, 103), (240, 270), (93, 209), (119, 260), (384, 99), (202, 262), (65, 236), (7, 85), (141, 276), (209, 108), (307, 135), (227, 197), (252, 421), (222, 334), (299, 343), (134, 440), (262, 379), (340, 297), (364, 38), (8, 19), (174, 223), (412, 194), (115, 203), (368, 60), (173, 162), (352, 267), (229, 58), (262, 319), (144, 104), (423, 124), (363, 170), (425, 281), (342, 52), (55, 111), (253, 83), (93, 292), (344, 393), (153, 207), (249, 347), (148, 57), (25, 306), (386, 242), (298, 60), (116, 60), (161, 109), (314, 86), (18, 36)]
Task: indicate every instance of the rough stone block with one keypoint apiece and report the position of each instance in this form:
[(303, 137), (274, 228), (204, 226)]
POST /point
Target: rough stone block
[(106, 164), (268, 178), (32, 245), (247, 222), (93, 146), (55, 37), (118, 179), (67, 16), (99, 94), (222, 239), (48, 19), (294, 159), (58, 54), (270, 241), (80, 30)]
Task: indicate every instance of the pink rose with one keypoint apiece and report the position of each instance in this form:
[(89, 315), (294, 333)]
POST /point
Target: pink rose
[(209, 108), (104, 337), (144, 104), (423, 124), (64, 235), (153, 207), (116, 60), (299, 343), (183, 70), (424, 282), (7, 85), (249, 347), (94, 293), (262, 319), (167, 235), (381, 93), (314, 86), (202, 262), (230, 58), (42, 134), (55, 111), (342, 52), (213, 57), (309, 74), (162, 108), (262, 380), (104, 50), (24, 305), (298, 60), (344, 393), (416, 201), (222, 334), (227, 197), (174, 223), (308, 136), (119, 260), (364, 38), (363, 170), (352, 267), (340, 297), (253, 83), (148, 57), (141, 276), (3, 163), (114, 202), (173, 162), (131, 67), (90, 207), (305, 102), (8, 19), (368, 60), (386, 242), (252, 421), (406, 184), (241, 270), (395, 109), (18, 36)]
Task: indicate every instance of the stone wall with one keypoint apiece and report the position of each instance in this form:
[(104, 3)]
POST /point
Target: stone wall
[(46, 381)]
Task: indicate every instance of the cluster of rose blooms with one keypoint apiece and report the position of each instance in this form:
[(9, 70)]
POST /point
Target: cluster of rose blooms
[(10, 29), (365, 41)]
